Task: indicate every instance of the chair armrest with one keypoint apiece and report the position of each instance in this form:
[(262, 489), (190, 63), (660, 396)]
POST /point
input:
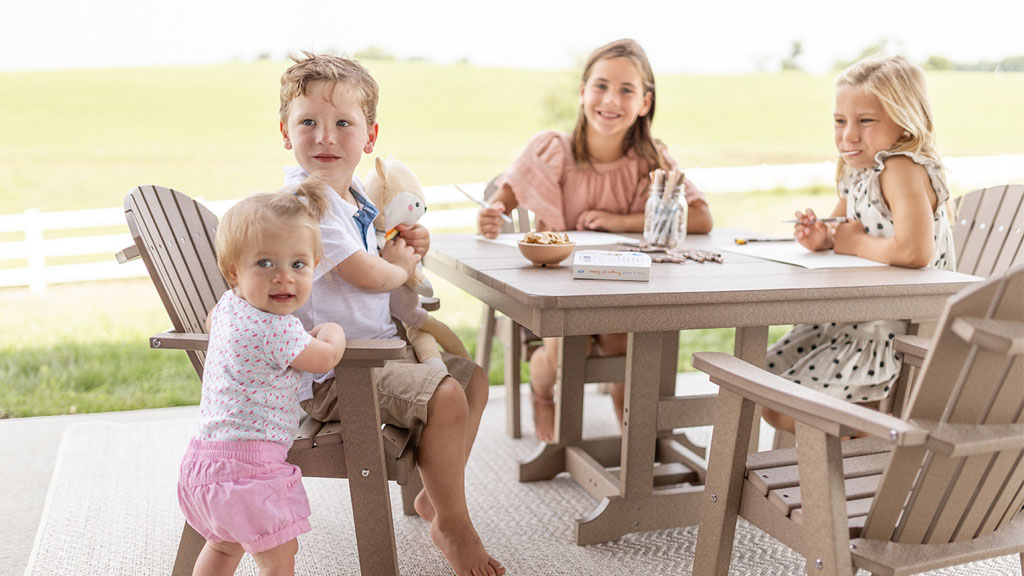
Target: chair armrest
[(913, 348), (370, 351), (999, 335), (127, 254), (958, 440), (830, 415), (174, 340)]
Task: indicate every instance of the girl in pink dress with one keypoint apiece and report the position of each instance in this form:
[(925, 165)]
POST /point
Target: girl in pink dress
[(597, 178)]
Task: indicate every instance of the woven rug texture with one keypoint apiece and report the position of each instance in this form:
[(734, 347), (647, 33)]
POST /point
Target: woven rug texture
[(112, 511)]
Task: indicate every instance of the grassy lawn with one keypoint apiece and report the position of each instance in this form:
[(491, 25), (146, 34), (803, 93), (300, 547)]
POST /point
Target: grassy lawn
[(82, 138)]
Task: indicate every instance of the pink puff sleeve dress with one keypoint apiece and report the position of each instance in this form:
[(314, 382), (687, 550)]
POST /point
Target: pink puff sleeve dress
[(548, 181)]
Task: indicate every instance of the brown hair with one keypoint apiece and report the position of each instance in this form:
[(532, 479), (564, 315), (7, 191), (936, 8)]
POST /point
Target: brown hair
[(333, 70), (638, 137), (296, 205), (900, 87)]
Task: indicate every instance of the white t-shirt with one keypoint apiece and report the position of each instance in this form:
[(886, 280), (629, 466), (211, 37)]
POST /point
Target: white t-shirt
[(249, 388), (362, 314)]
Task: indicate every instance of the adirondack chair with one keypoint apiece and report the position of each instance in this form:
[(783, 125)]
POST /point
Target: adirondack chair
[(941, 488), (988, 236), (520, 343), (174, 236)]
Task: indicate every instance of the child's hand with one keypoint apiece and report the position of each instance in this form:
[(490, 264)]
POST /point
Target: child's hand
[(415, 236), (599, 220), (846, 237), (488, 220), (400, 254), (811, 233)]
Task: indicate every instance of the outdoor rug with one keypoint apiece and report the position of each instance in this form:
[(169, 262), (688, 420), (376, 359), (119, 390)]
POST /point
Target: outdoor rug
[(112, 510)]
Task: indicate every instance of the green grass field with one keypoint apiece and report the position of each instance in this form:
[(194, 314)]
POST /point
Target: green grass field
[(82, 139)]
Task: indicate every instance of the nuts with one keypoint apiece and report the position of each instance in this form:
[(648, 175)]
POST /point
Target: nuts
[(546, 238)]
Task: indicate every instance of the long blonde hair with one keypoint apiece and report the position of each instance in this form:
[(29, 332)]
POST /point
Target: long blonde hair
[(900, 87), (638, 137), (296, 205)]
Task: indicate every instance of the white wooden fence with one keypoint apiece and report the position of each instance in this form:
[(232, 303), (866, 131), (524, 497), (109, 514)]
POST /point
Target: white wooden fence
[(24, 262)]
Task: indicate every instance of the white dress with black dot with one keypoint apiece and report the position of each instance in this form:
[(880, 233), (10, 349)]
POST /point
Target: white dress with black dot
[(855, 361)]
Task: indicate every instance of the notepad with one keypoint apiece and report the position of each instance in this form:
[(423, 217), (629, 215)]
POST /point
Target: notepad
[(611, 265), (795, 254)]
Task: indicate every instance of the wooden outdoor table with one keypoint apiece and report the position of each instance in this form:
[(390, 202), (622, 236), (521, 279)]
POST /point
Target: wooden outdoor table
[(745, 293)]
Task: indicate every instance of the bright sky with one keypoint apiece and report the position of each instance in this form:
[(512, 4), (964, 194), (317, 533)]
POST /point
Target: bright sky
[(679, 36)]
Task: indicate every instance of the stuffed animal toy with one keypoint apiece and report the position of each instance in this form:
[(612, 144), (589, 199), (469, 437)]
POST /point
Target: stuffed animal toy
[(396, 192)]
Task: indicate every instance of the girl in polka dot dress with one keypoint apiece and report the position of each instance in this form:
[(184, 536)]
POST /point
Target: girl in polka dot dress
[(235, 487), (893, 197)]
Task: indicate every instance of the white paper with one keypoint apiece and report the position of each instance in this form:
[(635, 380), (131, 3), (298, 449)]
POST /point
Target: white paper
[(795, 254), (580, 237)]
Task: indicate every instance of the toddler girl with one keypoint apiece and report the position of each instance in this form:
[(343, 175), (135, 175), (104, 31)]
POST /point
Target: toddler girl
[(893, 195), (596, 178), (235, 487)]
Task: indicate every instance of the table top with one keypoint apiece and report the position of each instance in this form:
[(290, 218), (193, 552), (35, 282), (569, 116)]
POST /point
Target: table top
[(741, 291)]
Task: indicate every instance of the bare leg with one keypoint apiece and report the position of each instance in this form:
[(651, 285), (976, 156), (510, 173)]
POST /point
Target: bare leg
[(476, 399), (442, 461), (278, 561), (543, 372), (778, 420), (217, 559)]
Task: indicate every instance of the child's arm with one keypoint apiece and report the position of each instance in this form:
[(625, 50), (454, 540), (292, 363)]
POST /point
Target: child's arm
[(609, 222), (698, 218), (324, 351), (488, 220), (907, 191), (376, 274)]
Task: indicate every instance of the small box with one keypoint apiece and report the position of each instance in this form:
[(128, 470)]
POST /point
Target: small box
[(611, 265)]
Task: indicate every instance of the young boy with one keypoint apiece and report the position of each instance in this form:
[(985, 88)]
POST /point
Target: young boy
[(328, 120)]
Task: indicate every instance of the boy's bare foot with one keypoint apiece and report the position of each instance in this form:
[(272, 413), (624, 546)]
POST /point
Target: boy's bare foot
[(464, 551), (424, 507), (543, 417)]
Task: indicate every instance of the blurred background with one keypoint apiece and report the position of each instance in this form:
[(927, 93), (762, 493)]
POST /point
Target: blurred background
[(100, 97)]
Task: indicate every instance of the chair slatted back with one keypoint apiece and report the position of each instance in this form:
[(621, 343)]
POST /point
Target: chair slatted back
[(989, 230), (520, 216), (175, 237), (952, 499)]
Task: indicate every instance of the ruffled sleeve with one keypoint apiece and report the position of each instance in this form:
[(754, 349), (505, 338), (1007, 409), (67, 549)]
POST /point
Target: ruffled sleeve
[(535, 177), (932, 167)]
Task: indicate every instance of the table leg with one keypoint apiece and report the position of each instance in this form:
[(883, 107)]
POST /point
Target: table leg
[(549, 459), (751, 344), (651, 359)]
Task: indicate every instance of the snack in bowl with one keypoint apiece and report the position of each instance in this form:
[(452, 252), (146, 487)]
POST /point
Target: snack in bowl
[(546, 248)]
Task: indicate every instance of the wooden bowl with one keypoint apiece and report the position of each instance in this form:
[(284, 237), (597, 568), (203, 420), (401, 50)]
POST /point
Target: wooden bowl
[(546, 254)]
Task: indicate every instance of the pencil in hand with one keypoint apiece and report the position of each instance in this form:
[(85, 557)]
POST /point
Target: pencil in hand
[(837, 219), (505, 217)]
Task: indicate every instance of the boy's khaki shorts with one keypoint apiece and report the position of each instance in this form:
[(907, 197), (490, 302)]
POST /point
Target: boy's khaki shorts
[(403, 389)]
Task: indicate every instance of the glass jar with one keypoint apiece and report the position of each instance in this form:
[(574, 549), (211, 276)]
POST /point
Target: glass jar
[(665, 216)]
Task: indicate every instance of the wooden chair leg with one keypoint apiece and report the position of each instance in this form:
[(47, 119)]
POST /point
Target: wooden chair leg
[(410, 491), (367, 473), (820, 461), (485, 338), (783, 439), (718, 512), (512, 338), (189, 547)]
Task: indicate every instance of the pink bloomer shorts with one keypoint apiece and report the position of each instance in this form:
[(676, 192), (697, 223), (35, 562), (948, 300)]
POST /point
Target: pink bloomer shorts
[(242, 492)]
